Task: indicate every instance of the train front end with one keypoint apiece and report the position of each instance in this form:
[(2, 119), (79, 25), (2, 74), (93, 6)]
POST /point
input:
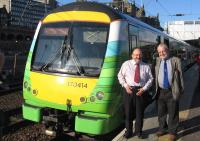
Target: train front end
[(69, 83)]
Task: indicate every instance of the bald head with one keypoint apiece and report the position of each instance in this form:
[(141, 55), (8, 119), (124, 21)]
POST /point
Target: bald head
[(163, 51), (137, 55)]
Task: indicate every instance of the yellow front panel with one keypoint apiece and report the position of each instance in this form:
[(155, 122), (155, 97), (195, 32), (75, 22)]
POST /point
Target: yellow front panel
[(77, 16), (58, 89)]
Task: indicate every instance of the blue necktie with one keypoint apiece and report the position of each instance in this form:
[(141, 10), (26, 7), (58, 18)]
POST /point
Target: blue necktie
[(166, 84)]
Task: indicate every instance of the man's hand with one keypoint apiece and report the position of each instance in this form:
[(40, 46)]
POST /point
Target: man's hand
[(140, 92), (128, 89)]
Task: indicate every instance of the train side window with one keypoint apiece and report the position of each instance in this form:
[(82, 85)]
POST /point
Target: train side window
[(133, 43), (166, 41), (133, 38), (158, 40), (148, 52), (3, 36)]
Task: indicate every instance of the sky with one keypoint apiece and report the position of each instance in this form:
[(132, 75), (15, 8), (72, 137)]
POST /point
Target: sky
[(167, 9)]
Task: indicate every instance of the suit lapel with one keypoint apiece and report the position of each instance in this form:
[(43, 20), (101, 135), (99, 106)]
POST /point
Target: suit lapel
[(173, 62), (158, 66)]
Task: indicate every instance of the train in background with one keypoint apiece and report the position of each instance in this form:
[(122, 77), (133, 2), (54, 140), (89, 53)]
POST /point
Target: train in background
[(70, 81), (14, 47)]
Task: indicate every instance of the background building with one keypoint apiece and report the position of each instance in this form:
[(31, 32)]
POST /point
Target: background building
[(135, 11), (6, 4), (27, 13), (4, 16), (188, 31), (183, 30)]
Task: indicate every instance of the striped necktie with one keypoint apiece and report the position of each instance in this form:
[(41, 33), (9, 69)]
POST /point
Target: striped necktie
[(166, 84), (137, 73)]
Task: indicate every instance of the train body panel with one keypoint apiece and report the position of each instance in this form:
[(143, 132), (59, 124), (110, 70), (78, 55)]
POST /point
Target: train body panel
[(57, 89)]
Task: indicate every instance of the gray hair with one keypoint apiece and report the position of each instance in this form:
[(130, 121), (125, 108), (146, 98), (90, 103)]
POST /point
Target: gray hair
[(163, 45)]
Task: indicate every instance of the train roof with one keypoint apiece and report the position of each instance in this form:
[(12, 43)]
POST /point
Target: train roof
[(90, 6), (112, 13), (99, 7), (141, 24)]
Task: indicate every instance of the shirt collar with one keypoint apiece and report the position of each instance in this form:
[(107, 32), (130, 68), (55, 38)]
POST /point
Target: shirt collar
[(133, 61), (166, 59)]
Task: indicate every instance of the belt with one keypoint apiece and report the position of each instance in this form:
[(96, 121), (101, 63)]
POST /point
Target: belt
[(136, 87), (165, 90)]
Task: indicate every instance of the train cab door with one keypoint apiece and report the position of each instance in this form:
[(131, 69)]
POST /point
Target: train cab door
[(133, 38), (166, 41), (133, 43)]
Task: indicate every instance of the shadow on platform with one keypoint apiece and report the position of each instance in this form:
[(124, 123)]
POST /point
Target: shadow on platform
[(189, 126), (196, 97)]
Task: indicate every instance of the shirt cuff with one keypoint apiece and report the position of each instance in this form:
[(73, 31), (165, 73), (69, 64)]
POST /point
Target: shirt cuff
[(125, 85), (144, 88)]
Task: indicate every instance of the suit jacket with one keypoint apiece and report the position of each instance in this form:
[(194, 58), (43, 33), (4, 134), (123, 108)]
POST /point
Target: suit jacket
[(177, 85)]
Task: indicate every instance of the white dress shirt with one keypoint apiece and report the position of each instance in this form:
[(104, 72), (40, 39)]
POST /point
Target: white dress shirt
[(127, 73)]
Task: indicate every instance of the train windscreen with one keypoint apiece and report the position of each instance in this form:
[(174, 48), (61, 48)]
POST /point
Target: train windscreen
[(71, 48)]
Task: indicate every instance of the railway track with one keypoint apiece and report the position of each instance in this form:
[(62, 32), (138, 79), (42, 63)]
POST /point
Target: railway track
[(72, 136), (10, 109), (10, 87), (13, 125)]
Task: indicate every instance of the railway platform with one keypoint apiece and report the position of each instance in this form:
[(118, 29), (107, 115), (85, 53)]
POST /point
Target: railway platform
[(189, 116)]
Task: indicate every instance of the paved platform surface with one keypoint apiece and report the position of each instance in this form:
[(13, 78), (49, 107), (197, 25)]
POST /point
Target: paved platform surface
[(189, 115)]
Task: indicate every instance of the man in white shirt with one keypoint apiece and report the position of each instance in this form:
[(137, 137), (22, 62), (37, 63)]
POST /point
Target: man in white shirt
[(136, 78)]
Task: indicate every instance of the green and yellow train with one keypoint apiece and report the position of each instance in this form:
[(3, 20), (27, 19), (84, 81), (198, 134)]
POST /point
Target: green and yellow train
[(70, 80)]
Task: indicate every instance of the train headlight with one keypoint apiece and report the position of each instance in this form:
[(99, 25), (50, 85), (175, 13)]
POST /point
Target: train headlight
[(29, 89), (100, 95), (35, 92), (92, 98), (82, 99), (25, 84)]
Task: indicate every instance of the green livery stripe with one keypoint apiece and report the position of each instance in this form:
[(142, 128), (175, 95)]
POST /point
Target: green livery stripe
[(111, 59), (106, 81), (32, 113), (105, 89), (27, 69), (97, 125), (111, 72), (107, 65)]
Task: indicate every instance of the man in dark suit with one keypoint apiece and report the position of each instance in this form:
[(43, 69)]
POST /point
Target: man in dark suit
[(169, 87)]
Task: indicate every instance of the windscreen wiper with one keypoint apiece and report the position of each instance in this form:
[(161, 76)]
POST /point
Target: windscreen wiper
[(70, 51), (57, 54), (65, 51)]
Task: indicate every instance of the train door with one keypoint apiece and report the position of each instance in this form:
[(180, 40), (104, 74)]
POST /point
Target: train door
[(133, 38), (166, 41), (132, 43)]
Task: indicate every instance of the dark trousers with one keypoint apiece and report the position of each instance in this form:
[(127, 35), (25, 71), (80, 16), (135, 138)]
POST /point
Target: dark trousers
[(167, 105), (134, 109)]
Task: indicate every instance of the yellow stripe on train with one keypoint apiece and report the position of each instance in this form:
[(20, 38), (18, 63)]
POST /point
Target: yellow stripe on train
[(77, 16), (59, 89)]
